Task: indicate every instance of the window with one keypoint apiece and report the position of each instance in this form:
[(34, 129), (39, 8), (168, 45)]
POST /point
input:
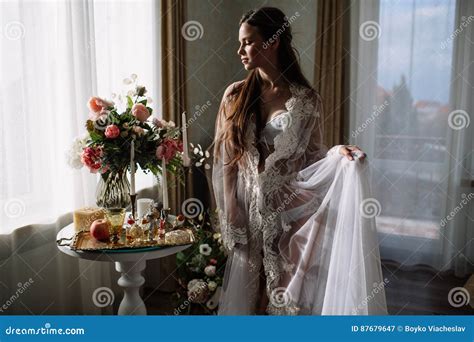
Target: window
[(54, 56)]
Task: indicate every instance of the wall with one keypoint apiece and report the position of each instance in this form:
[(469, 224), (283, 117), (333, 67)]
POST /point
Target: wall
[(212, 62)]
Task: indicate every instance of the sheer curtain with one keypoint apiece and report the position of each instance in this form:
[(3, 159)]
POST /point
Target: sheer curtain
[(410, 76), (54, 56)]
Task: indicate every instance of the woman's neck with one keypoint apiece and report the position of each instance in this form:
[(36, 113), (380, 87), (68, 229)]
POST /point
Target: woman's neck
[(271, 77)]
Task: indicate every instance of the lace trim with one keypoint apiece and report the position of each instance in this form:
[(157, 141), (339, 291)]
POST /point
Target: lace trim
[(286, 310), (231, 234)]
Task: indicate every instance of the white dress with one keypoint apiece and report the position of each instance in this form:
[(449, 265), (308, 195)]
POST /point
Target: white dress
[(303, 219)]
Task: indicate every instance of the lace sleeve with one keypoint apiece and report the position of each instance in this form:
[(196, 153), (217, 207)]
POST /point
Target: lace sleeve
[(230, 209)]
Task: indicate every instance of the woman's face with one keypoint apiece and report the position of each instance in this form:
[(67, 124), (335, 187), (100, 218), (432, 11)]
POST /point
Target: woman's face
[(251, 50)]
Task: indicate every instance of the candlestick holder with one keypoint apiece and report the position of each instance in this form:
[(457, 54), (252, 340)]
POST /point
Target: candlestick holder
[(133, 199)]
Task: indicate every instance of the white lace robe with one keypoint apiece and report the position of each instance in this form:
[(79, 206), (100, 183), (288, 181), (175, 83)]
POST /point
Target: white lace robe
[(303, 218)]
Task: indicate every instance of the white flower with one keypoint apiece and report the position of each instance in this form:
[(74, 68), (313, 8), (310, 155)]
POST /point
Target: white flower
[(163, 123), (210, 270), (138, 130), (205, 249), (192, 283), (73, 156), (170, 124), (198, 291), (212, 285)]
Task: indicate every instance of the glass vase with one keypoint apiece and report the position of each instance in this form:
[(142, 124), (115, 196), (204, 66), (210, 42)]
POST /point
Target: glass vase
[(113, 190)]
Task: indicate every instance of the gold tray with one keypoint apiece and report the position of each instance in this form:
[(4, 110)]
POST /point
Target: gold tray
[(83, 241)]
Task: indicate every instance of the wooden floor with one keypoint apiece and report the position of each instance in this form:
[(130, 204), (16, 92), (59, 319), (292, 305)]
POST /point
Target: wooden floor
[(420, 290), (415, 290)]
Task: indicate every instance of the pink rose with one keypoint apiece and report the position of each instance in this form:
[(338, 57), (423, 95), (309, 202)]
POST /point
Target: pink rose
[(112, 131), (210, 270), (91, 157), (140, 111), (98, 105), (167, 149), (180, 146)]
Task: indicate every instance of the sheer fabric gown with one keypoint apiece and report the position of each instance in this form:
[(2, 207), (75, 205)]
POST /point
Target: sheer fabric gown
[(306, 221)]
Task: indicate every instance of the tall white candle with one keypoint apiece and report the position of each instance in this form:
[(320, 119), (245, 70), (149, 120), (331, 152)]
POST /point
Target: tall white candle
[(164, 184), (186, 159), (132, 168)]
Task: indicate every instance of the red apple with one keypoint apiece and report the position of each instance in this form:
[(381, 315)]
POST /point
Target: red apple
[(100, 230)]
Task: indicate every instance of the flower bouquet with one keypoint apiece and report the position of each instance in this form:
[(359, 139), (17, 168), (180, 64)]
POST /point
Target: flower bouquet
[(119, 140), (201, 270)]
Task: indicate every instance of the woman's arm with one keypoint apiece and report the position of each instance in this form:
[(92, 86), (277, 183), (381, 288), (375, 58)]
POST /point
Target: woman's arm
[(230, 208)]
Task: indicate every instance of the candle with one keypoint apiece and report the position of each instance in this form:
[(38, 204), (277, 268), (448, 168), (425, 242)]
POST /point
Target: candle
[(186, 159), (84, 217), (164, 184), (144, 206), (132, 168)]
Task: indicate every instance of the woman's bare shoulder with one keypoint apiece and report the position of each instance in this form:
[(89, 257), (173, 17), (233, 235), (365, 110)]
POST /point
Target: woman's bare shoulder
[(233, 88)]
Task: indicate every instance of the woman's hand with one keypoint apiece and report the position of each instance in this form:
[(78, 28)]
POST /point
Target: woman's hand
[(351, 152)]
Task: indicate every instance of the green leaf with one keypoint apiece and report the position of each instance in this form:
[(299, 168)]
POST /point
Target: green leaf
[(95, 136), (129, 102)]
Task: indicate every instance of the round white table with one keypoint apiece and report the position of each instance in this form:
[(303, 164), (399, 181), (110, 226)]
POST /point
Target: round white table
[(129, 263)]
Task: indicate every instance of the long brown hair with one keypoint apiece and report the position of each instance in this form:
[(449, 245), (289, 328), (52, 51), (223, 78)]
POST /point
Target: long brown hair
[(270, 22)]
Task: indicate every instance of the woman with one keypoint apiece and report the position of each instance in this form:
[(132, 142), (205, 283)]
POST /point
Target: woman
[(289, 209)]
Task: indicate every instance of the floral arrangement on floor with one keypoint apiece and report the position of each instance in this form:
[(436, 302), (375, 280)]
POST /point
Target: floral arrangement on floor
[(106, 147), (201, 270)]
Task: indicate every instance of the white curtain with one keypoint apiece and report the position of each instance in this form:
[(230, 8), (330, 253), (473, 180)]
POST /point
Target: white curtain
[(458, 215), (54, 55), (410, 69)]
